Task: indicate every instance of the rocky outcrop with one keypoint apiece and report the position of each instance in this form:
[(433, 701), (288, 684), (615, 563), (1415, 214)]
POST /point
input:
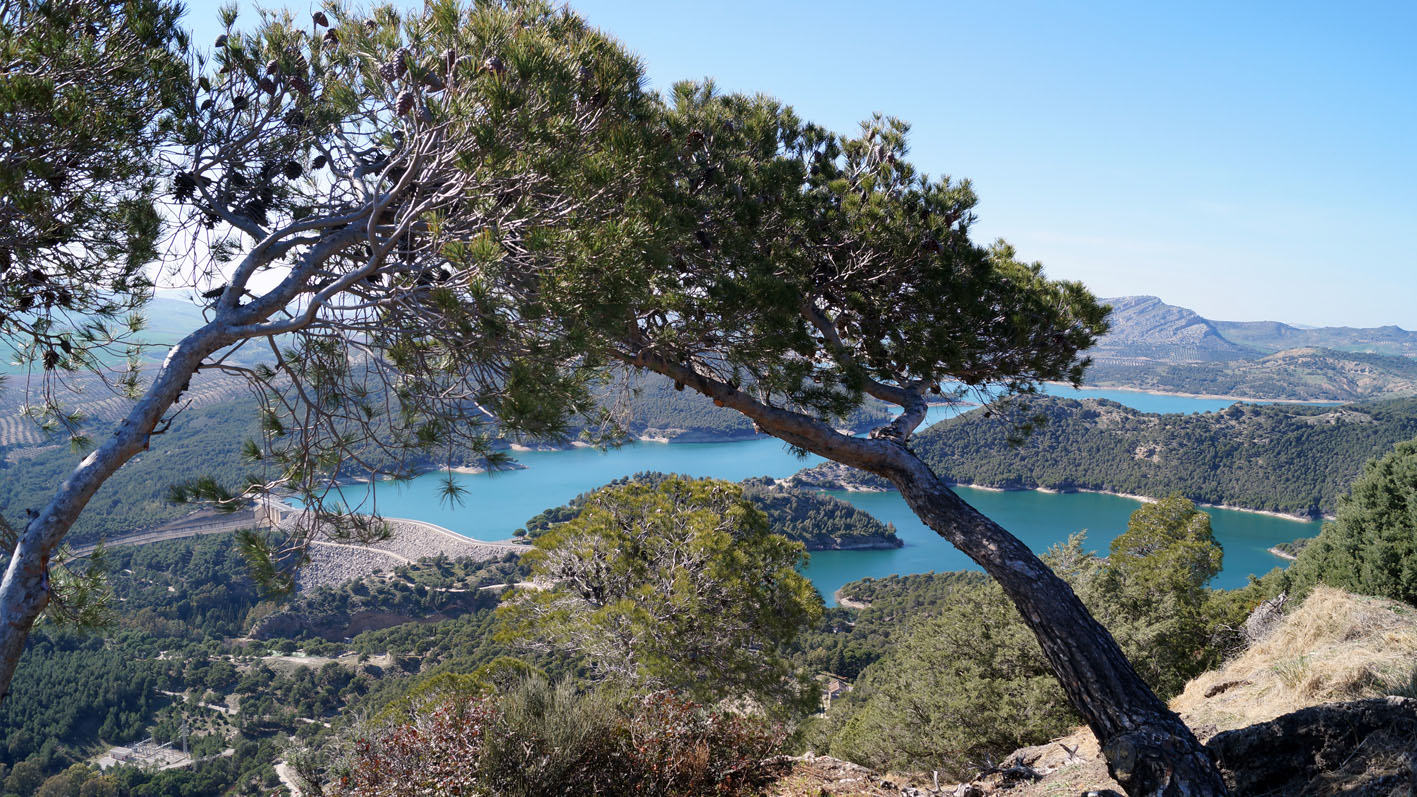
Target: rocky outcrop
[(1367, 746), (860, 542), (836, 476)]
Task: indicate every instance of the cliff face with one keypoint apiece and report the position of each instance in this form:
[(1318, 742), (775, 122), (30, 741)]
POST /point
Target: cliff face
[(1145, 326)]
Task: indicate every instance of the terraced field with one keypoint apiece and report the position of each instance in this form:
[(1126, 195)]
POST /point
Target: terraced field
[(100, 405)]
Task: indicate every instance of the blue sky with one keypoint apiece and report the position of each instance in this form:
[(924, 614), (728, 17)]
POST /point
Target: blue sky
[(1248, 160)]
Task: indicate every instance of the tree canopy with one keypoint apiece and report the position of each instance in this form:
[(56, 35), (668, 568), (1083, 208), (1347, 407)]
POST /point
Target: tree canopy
[(469, 211), (1371, 546), (678, 584)]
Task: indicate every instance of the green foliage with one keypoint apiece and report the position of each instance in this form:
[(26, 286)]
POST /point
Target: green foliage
[(795, 264), (1371, 547), (966, 684), (678, 585), (818, 521), (107, 695), (1151, 592), (536, 738), (1281, 458), (847, 641), (85, 103)]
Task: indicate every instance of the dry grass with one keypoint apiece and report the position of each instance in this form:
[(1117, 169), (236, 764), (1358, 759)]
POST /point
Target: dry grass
[(1335, 646)]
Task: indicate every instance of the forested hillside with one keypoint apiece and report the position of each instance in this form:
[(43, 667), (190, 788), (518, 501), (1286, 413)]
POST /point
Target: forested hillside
[(177, 651), (653, 408), (1281, 458), (202, 440), (1295, 374), (821, 522)]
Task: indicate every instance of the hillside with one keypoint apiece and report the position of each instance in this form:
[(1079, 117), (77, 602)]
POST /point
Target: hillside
[(1282, 458), (653, 409), (821, 522), (1157, 346), (1292, 375), (1273, 336)]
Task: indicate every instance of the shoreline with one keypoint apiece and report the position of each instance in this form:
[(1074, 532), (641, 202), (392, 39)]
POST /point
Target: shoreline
[(1146, 499), (1285, 555), (1217, 396), (843, 602)]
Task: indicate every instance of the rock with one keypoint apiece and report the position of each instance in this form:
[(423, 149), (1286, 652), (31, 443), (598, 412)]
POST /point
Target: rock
[(1263, 619), (1367, 746)]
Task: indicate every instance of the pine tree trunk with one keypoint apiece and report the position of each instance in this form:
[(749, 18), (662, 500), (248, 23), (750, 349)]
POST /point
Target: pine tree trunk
[(1148, 749), (24, 588)]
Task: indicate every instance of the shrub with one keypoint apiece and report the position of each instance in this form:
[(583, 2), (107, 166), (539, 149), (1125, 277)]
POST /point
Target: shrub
[(541, 739)]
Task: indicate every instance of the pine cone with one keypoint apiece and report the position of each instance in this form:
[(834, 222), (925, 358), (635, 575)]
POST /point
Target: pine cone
[(331, 38), (267, 85), (405, 103), (221, 41), (239, 103), (295, 118), (298, 83), (272, 66), (396, 67), (293, 170), (320, 19), (494, 65), (207, 104), (318, 162)]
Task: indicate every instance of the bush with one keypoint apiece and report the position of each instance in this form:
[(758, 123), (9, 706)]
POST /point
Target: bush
[(542, 739), (1371, 547)]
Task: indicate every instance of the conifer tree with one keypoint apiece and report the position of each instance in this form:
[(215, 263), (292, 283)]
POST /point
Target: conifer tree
[(791, 272), (366, 201)]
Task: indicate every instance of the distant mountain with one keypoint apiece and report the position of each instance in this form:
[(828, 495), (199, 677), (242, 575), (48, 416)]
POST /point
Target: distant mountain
[(1157, 346), (1273, 336), (1146, 327)]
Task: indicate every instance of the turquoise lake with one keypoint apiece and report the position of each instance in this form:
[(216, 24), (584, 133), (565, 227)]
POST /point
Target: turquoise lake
[(496, 504)]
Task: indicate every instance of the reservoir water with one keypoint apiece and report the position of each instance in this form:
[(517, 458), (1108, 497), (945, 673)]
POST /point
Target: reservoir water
[(496, 504)]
